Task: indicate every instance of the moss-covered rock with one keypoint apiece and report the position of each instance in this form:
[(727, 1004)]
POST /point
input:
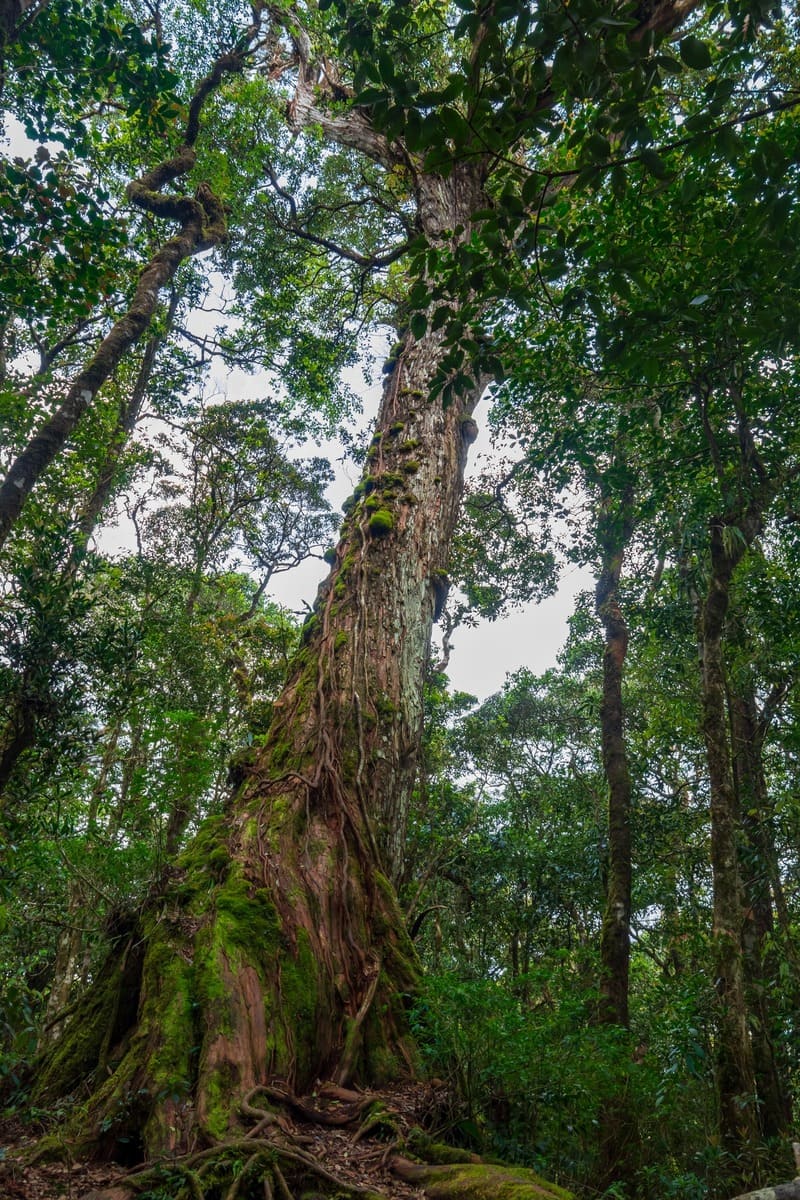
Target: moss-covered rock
[(479, 1181)]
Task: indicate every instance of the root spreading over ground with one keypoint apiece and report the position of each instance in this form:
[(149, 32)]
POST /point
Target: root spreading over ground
[(335, 1142)]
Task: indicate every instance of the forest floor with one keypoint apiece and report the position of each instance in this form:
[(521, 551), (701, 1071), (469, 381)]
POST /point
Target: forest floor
[(359, 1157), (64, 1180)]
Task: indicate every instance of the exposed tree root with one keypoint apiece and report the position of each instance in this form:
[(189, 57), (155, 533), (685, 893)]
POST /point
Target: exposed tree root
[(344, 1116), (477, 1181), (348, 1061), (337, 1143), (247, 1162)]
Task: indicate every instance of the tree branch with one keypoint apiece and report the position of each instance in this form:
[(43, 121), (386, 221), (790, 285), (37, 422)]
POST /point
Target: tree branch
[(369, 261), (352, 128), (202, 226)]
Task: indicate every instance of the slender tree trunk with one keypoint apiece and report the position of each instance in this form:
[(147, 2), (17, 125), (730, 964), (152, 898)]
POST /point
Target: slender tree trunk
[(129, 413), (614, 533), (618, 1124), (65, 967), (735, 1071), (747, 489), (18, 733), (774, 1105)]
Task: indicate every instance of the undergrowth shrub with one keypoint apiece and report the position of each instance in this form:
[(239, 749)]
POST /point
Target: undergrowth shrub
[(531, 1073), (530, 1070)]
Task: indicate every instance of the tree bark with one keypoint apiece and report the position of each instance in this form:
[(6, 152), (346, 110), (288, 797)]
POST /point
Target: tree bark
[(759, 867), (747, 489), (615, 527), (12, 13), (18, 733), (735, 1072), (278, 947)]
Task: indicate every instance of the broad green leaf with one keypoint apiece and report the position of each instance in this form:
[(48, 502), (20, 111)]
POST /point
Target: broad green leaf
[(695, 53)]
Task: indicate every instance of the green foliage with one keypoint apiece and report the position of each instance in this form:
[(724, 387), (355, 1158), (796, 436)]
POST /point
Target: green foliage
[(75, 55), (531, 1074), (51, 218), (509, 916)]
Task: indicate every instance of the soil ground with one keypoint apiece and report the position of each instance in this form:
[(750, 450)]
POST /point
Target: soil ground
[(361, 1161)]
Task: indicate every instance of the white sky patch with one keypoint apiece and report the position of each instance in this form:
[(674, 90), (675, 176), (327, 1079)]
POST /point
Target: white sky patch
[(531, 636)]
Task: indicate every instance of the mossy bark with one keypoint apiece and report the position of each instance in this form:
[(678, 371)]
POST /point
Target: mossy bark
[(277, 948), (253, 964), (747, 489), (479, 1181), (759, 868)]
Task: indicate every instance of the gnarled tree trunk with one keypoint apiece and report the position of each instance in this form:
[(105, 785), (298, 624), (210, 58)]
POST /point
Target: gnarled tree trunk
[(277, 948)]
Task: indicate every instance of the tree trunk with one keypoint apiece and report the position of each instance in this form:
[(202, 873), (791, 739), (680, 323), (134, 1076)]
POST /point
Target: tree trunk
[(12, 13), (278, 947), (617, 1124), (747, 738), (69, 945), (746, 489), (734, 1057), (615, 532), (18, 733)]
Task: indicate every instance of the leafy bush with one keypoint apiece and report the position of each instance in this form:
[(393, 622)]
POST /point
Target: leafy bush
[(530, 1071)]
